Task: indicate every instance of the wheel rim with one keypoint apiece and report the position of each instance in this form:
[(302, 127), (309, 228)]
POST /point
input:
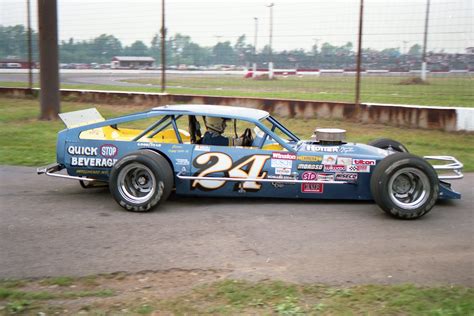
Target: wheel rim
[(409, 188), (136, 183)]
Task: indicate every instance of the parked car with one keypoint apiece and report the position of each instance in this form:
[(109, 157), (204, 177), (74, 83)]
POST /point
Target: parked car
[(143, 157)]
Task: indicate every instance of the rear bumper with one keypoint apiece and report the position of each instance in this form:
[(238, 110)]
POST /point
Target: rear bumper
[(53, 169)]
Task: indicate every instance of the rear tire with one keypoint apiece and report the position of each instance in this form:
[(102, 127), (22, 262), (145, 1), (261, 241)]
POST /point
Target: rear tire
[(388, 144), (404, 186), (141, 180)]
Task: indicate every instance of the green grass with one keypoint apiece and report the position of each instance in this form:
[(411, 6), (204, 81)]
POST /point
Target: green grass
[(59, 281), (45, 295), (237, 297), (441, 91), (27, 141), (234, 297)]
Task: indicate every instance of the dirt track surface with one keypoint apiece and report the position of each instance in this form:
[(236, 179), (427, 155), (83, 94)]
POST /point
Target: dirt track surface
[(53, 227)]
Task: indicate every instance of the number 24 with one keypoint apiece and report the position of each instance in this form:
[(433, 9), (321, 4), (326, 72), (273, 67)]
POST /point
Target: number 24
[(219, 162)]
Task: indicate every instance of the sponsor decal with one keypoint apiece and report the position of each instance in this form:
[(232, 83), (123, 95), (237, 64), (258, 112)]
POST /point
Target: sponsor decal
[(334, 168), (309, 166), (277, 185), (318, 148), (325, 177), (358, 168), (92, 162), (177, 149), (283, 171), (281, 177), (182, 162), (329, 159), (141, 144), (287, 156), (346, 176), (308, 175), (281, 163), (346, 161), (312, 187), (368, 162), (92, 172), (280, 185), (202, 148), (108, 151), (346, 149), (82, 151), (313, 176), (311, 158)]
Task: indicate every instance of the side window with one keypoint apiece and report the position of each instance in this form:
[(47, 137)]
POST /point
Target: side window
[(218, 131), (160, 130)]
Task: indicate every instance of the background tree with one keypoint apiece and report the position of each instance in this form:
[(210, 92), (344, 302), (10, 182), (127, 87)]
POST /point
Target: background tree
[(223, 53), (138, 48), (415, 50)]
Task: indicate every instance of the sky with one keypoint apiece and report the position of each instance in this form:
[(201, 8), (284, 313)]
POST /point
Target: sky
[(296, 23)]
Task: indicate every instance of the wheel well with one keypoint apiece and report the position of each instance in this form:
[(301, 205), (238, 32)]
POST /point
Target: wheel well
[(164, 156)]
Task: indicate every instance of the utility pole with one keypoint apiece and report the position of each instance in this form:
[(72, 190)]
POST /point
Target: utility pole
[(163, 48), (254, 68), (359, 61), (30, 50), (270, 62), (425, 41), (49, 71)]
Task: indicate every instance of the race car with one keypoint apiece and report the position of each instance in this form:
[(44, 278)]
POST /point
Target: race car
[(143, 157)]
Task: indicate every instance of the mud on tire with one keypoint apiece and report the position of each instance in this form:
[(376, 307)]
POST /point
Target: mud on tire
[(404, 186), (141, 180)]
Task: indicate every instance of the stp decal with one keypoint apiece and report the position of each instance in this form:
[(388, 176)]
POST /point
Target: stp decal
[(216, 162)]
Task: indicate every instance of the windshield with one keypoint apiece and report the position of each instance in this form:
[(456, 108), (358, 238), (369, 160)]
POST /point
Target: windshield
[(276, 127)]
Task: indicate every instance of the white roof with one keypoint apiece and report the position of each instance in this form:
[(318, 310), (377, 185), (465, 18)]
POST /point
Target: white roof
[(215, 110), (134, 58)]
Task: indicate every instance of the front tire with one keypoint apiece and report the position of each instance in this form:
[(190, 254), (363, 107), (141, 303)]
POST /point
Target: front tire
[(141, 180), (404, 186)]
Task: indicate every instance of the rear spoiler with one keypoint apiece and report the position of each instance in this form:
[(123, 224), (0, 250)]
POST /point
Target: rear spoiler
[(81, 117)]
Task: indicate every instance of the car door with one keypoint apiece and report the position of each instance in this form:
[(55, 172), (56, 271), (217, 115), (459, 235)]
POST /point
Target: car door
[(228, 163)]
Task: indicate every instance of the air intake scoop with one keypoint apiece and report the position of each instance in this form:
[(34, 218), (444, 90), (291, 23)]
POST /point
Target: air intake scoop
[(329, 136)]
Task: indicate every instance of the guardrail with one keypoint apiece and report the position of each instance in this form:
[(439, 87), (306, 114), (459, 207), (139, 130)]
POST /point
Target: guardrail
[(411, 116)]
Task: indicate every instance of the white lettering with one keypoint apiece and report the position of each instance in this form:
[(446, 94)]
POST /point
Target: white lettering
[(85, 151)]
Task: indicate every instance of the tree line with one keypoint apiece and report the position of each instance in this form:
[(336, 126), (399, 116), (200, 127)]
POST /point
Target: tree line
[(180, 49)]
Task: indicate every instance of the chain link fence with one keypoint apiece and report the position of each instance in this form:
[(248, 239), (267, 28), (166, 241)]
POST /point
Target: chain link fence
[(227, 48)]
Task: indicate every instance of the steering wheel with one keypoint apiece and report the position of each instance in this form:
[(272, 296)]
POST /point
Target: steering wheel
[(247, 138)]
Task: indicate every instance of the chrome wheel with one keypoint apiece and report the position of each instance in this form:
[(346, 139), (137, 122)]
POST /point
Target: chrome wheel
[(409, 188), (136, 183)]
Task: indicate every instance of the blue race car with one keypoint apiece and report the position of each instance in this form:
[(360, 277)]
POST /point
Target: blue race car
[(143, 157)]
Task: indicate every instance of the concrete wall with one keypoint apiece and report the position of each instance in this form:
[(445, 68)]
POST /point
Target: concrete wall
[(441, 118)]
